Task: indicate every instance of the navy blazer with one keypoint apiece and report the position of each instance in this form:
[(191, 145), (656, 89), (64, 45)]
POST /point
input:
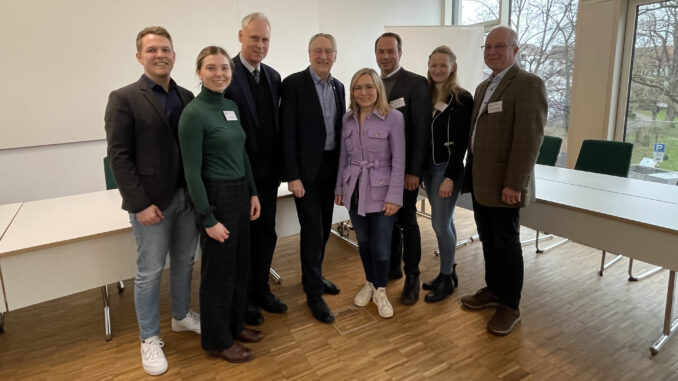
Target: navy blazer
[(142, 147), (241, 93), (303, 125)]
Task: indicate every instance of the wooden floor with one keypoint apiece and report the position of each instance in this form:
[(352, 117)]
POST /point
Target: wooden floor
[(575, 325)]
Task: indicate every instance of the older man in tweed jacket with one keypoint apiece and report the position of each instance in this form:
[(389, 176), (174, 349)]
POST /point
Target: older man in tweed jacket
[(506, 133)]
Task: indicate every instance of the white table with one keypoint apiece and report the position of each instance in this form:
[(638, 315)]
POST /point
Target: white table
[(637, 218), (61, 246)]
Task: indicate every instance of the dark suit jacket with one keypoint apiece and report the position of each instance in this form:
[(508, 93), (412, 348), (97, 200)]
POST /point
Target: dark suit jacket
[(241, 93), (414, 90), (303, 126), (142, 148), (507, 142)]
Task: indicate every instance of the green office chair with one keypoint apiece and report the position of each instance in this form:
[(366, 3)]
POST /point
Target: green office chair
[(111, 184), (607, 158), (548, 155), (549, 150), (108, 174)]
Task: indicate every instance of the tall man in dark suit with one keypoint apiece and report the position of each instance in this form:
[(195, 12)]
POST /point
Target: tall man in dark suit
[(141, 130), (255, 89), (507, 130), (312, 105), (409, 93)]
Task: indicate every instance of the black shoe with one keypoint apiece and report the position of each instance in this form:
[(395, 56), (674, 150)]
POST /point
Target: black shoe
[(410, 290), (395, 274), (431, 284), (320, 309), (454, 276), (271, 303), (330, 288), (442, 289), (252, 315)]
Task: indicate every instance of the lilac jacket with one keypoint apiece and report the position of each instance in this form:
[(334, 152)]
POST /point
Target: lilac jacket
[(375, 154)]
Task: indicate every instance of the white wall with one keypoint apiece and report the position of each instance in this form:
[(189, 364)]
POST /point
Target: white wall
[(55, 117)]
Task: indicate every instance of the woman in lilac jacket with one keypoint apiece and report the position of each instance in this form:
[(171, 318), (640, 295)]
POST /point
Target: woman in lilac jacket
[(370, 180)]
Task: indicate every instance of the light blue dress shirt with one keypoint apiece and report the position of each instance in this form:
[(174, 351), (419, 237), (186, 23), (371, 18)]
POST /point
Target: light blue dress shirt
[(328, 104)]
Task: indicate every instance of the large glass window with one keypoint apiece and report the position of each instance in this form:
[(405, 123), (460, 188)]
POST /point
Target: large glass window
[(651, 107), (546, 30)]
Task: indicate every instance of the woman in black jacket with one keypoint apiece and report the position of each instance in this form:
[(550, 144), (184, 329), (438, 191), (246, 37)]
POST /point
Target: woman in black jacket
[(452, 108)]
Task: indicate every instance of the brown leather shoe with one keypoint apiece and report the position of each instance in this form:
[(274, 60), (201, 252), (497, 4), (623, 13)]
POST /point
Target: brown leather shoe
[(483, 298), (236, 353), (503, 321), (249, 335)]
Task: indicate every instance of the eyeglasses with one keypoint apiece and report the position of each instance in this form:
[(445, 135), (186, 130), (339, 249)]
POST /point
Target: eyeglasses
[(499, 46), (319, 52), (368, 88)]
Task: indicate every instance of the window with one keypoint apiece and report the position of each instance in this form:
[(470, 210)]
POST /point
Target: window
[(649, 97), (546, 30)]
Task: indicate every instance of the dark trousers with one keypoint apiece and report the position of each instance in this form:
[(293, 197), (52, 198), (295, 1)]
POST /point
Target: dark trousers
[(224, 266), (406, 240), (499, 231), (314, 211), (373, 231), (262, 232)]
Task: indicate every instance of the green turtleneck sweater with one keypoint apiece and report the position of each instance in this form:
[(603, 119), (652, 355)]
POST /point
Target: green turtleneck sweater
[(212, 146)]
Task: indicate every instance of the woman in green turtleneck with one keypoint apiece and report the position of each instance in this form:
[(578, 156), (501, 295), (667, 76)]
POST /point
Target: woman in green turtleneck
[(221, 186)]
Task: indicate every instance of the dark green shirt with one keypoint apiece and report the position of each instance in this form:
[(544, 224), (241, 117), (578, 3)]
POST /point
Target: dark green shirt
[(212, 146)]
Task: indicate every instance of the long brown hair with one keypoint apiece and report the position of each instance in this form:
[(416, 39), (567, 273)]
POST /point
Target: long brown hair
[(450, 86)]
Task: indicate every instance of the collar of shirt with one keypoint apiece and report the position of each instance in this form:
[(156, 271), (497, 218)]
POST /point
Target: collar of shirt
[(155, 87), (247, 65), (500, 76), (318, 79), (356, 114), (392, 73)]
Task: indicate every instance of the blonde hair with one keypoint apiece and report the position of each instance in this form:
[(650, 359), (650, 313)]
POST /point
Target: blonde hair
[(450, 86), (381, 105)]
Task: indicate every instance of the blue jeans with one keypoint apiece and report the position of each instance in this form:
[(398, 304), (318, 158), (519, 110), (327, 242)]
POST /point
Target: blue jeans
[(374, 231), (442, 215), (177, 234)]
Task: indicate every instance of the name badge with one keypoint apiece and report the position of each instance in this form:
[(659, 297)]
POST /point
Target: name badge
[(440, 106), (230, 115), (494, 107), (398, 103)]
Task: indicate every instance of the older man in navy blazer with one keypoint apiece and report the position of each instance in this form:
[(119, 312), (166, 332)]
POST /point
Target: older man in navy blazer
[(312, 105), (255, 90)]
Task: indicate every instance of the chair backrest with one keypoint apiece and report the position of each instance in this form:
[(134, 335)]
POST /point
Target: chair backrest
[(108, 173), (606, 157), (549, 150)]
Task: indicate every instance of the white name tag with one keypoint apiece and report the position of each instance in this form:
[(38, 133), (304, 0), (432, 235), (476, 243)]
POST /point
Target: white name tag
[(398, 103), (230, 115), (494, 107), (440, 106)]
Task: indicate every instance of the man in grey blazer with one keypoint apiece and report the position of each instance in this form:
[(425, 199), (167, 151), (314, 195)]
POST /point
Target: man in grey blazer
[(507, 130), (141, 122), (408, 93)]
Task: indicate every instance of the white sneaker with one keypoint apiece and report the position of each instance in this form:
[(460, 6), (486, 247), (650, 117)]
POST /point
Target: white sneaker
[(383, 305), (364, 295), (190, 323), (152, 358)]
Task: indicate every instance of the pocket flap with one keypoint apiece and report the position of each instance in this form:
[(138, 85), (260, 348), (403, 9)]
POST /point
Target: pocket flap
[(378, 134)]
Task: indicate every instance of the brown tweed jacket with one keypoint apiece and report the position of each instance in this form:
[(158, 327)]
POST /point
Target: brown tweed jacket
[(507, 142)]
